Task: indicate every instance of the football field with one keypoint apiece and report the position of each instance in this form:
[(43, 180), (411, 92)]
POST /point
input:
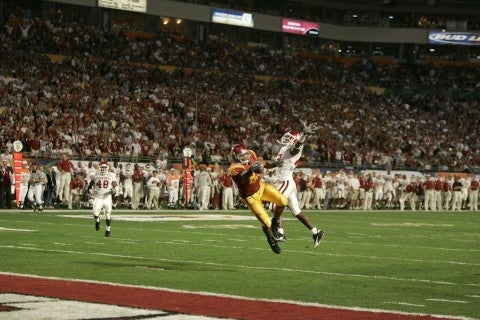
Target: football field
[(410, 263)]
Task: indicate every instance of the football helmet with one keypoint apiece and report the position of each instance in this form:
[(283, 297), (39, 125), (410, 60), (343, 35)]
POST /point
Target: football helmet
[(289, 138), (103, 168), (240, 153)]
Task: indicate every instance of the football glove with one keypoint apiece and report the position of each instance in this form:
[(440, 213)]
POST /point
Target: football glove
[(309, 128), (257, 167)]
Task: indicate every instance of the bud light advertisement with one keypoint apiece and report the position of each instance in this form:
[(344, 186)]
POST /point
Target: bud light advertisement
[(454, 38)]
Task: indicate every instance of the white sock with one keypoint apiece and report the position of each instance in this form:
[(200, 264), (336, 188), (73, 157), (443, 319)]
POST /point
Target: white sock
[(314, 230)]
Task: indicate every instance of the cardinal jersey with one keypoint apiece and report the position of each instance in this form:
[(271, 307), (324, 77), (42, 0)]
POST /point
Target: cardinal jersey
[(246, 185)]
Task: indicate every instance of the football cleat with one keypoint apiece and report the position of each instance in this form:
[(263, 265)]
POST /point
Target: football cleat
[(274, 246), (97, 224), (277, 234), (107, 233), (317, 237)]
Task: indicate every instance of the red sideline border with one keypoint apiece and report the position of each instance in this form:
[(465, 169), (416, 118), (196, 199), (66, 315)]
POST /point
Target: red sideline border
[(187, 303)]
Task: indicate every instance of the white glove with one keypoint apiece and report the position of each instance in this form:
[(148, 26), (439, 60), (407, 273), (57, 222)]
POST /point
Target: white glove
[(310, 128)]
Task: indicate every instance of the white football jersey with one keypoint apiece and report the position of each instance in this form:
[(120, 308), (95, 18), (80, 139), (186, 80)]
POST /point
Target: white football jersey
[(288, 163), (103, 183)]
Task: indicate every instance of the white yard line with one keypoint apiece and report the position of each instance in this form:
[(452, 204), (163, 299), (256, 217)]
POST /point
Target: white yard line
[(405, 304), (446, 300)]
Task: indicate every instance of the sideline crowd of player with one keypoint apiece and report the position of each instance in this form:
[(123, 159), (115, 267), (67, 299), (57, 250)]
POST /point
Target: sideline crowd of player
[(154, 186)]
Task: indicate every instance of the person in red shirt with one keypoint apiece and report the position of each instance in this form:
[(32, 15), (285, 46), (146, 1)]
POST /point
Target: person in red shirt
[(447, 193), (368, 187), (473, 193), (226, 183), (246, 173), (76, 191), (65, 166), (429, 188), (138, 184), (438, 193)]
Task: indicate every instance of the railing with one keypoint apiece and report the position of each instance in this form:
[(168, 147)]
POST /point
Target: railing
[(314, 164)]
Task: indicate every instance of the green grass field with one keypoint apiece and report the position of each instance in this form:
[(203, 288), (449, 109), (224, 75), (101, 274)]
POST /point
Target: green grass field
[(417, 262)]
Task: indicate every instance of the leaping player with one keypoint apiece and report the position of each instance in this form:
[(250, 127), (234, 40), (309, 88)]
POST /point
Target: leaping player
[(285, 163)]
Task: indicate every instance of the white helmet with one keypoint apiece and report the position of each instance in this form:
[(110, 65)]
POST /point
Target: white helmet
[(289, 138), (103, 168)]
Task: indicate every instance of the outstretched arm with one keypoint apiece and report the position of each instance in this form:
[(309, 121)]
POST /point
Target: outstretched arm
[(306, 130)]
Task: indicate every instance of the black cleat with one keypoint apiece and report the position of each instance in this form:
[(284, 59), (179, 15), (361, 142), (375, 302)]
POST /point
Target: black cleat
[(277, 234), (274, 246), (317, 237), (97, 225), (107, 233)]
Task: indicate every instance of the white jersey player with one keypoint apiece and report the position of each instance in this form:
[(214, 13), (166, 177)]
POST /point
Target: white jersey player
[(38, 179), (104, 184), (285, 164)]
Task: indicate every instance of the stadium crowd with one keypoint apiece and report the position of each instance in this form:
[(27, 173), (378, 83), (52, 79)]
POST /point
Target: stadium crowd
[(100, 94)]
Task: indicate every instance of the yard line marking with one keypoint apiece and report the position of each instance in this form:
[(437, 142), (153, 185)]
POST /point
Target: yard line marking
[(397, 259), (405, 304), (150, 268), (250, 267), (446, 300), (19, 230), (63, 244), (402, 246), (472, 296)]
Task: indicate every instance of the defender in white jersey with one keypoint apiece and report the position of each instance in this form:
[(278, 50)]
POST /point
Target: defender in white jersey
[(285, 163), (104, 184)]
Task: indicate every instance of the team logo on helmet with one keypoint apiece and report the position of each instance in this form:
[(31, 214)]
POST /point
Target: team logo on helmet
[(239, 153)]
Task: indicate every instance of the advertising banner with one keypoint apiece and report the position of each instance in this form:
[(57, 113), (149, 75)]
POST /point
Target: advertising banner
[(454, 38), (300, 27), (236, 18), (128, 5)]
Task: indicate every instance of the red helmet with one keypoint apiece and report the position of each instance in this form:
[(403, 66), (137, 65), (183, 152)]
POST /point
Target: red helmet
[(239, 153), (289, 138)]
